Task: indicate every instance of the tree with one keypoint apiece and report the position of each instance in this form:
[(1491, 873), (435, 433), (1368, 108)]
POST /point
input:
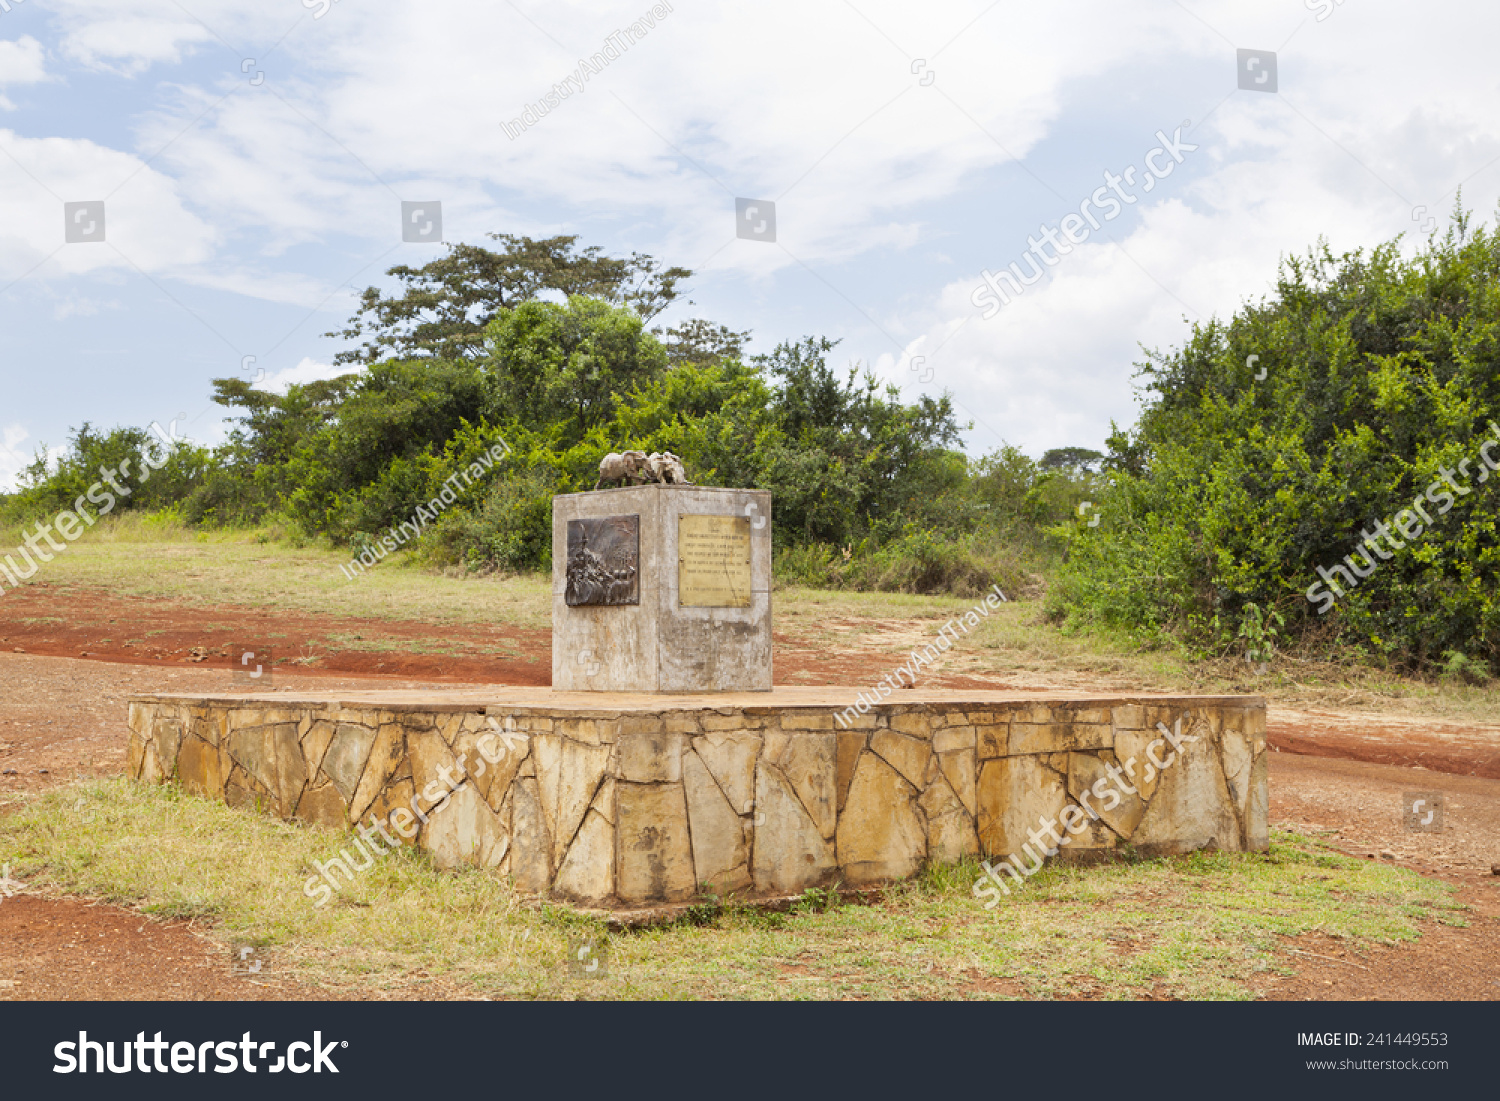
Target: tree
[(701, 343), (1077, 459), (273, 425), (843, 456), (391, 415), (567, 367), (446, 305)]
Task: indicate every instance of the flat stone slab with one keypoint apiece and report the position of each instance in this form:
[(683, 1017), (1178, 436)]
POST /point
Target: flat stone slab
[(623, 801), (780, 697)]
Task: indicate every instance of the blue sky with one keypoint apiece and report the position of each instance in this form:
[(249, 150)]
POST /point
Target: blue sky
[(252, 158)]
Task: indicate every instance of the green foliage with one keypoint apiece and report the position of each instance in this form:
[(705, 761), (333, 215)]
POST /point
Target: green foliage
[(447, 305), (510, 529), (567, 367), (916, 561), (153, 474), (1382, 381), (363, 468), (475, 348), (1463, 669), (1259, 631), (841, 459)]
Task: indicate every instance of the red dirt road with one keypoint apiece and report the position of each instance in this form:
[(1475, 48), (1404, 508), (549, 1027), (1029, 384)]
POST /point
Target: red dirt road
[(62, 715), (98, 626)]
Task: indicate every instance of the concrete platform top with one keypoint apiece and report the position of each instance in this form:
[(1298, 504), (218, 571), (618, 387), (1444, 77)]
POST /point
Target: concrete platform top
[(778, 699)]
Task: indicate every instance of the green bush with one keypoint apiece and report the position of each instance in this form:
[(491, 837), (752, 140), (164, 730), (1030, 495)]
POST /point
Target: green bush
[(1382, 379), (917, 561), (511, 529)]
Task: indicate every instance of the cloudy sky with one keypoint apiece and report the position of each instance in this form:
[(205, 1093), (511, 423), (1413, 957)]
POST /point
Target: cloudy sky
[(252, 157)]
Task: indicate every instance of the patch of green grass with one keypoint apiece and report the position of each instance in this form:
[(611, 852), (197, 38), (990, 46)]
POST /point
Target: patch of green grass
[(354, 642), (1201, 926), (130, 556)]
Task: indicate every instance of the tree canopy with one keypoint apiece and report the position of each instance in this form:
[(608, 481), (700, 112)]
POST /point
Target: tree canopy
[(445, 306)]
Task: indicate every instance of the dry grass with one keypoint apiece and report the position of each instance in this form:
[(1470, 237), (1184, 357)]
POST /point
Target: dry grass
[(1194, 927), (161, 559), (156, 558)]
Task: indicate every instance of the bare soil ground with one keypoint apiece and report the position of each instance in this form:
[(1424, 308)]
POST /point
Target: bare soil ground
[(99, 626), (1357, 807), (63, 949), (69, 658)]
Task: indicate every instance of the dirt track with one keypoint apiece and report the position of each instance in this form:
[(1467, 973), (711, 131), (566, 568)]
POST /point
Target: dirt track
[(99, 627), (62, 715)]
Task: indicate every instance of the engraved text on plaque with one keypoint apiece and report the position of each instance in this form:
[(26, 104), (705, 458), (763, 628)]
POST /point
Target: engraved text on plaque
[(713, 555)]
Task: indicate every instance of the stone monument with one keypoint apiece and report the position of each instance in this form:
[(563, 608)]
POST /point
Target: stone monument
[(661, 587), (661, 762)]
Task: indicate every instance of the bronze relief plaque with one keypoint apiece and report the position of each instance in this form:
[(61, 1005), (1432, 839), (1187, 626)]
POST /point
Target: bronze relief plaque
[(713, 561), (604, 557)]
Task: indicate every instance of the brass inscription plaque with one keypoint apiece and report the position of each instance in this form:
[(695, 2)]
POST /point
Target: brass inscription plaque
[(713, 561)]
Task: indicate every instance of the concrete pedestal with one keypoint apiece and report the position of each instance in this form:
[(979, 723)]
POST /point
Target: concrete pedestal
[(671, 590)]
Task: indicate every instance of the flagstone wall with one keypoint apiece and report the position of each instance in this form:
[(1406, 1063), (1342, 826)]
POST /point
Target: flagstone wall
[(631, 808)]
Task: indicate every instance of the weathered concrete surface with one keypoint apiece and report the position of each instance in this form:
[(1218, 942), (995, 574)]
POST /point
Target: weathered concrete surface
[(658, 645), (630, 799)]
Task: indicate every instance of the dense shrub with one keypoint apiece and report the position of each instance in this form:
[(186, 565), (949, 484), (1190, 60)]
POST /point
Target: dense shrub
[(1382, 384)]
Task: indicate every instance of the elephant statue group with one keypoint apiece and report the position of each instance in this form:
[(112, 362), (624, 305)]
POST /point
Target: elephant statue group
[(633, 468)]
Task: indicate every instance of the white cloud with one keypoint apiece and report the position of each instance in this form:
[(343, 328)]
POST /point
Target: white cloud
[(308, 370), (829, 117), (146, 224), (12, 460), (16, 457), (22, 61), (81, 306), (251, 189), (130, 44)]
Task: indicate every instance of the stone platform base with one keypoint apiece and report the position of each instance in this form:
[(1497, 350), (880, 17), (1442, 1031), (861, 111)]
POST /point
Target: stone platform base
[(620, 801)]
